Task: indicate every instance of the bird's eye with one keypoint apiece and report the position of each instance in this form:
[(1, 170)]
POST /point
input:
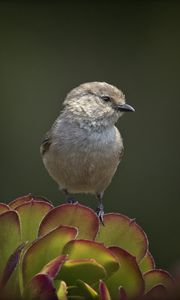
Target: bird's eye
[(106, 98)]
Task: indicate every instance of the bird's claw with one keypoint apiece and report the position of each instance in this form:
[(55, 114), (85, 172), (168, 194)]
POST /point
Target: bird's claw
[(100, 213), (72, 200)]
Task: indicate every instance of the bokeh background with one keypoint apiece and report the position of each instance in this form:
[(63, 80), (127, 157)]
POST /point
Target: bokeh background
[(46, 49)]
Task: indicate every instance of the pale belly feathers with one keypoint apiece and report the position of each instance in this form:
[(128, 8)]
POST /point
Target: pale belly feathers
[(84, 163)]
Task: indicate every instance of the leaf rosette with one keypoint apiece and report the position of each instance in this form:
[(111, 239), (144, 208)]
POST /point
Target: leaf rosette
[(61, 253)]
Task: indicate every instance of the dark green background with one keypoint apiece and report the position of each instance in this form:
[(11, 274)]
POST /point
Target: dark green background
[(48, 48)]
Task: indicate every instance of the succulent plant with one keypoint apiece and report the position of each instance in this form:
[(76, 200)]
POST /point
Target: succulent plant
[(60, 253)]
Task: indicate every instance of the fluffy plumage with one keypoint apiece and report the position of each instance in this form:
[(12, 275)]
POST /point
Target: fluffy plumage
[(83, 148)]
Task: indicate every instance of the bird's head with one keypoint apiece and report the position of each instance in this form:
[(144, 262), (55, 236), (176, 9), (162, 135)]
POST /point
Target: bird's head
[(97, 102)]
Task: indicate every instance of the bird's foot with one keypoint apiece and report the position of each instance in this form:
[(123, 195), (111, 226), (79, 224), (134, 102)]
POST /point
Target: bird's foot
[(100, 213), (72, 200)]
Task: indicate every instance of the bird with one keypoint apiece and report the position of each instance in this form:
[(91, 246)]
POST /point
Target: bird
[(83, 148)]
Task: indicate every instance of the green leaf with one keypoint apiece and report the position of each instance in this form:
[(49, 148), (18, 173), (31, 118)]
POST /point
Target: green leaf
[(88, 292), (10, 237), (80, 249), (11, 291), (4, 208), (147, 263), (128, 276), (103, 291), (31, 214), (121, 231), (158, 277), (85, 269), (62, 291), (75, 215), (45, 249)]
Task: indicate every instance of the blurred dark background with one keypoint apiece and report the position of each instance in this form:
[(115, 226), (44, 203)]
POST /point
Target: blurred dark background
[(46, 49)]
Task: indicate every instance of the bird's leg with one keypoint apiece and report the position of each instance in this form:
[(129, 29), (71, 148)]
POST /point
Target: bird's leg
[(100, 208), (70, 199)]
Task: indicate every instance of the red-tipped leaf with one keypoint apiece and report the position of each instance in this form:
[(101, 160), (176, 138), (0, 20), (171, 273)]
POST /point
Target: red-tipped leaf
[(124, 232), (122, 294), (20, 200), (4, 208), (52, 268), (45, 249), (158, 277), (31, 214), (158, 292), (128, 276), (75, 215), (103, 291), (147, 263), (10, 236), (41, 287)]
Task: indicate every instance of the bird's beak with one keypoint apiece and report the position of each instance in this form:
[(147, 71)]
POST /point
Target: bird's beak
[(125, 107)]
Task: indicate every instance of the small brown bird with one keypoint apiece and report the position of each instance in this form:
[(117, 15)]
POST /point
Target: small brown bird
[(83, 148)]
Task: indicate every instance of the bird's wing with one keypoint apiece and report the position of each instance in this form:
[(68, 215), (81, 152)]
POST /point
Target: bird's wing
[(46, 143)]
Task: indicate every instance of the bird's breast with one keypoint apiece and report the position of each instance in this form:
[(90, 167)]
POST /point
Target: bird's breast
[(85, 162)]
